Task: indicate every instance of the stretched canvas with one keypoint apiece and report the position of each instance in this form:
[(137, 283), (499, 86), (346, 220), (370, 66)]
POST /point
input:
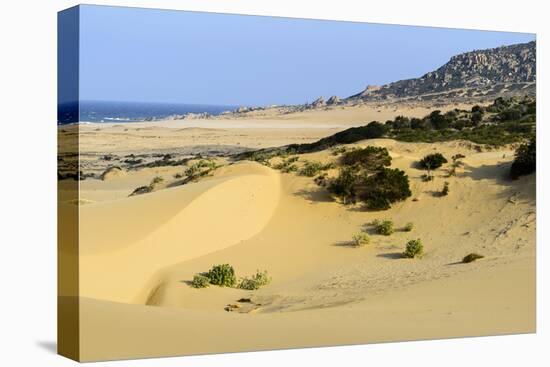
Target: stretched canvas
[(240, 183)]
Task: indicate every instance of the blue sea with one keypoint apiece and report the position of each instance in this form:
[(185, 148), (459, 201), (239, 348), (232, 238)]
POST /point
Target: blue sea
[(104, 111)]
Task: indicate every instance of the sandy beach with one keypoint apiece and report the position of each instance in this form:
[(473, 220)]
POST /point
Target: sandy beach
[(139, 253)]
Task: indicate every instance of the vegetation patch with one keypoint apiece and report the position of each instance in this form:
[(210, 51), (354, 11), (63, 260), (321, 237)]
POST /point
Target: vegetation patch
[(384, 188), (198, 170), (370, 158), (312, 168), (222, 275), (363, 177), (153, 185), (525, 161), (259, 279), (432, 161), (360, 239), (506, 121), (287, 165), (408, 227), (414, 248), (200, 281), (384, 227)]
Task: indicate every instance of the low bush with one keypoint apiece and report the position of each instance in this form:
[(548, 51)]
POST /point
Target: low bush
[(338, 150), (525, 161), (472, 257), (343, 185), (413, 248), (432, 161), (311, 168), (360, 239), (286, 165), (408, 227), (383, 188), (370, 158), (385, 227), (200, 281), (222, 275), (259, 279)]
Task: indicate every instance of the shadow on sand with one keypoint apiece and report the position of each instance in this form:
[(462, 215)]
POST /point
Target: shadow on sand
[(391, 255)]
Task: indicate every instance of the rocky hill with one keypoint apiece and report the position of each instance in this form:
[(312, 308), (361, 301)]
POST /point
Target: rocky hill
[(502, 71)]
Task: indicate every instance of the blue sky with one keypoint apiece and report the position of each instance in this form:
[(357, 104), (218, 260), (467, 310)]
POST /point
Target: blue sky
[(143, 55)]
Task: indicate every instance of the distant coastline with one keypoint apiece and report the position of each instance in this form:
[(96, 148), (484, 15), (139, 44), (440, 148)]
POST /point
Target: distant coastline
[(122, 112)]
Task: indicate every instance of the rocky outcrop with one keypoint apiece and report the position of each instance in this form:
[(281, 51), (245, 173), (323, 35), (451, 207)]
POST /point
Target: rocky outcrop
[(319, 102), (334, 100), (488, 72)]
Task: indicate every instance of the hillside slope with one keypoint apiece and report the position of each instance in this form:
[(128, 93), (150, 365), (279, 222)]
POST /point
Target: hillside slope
[(503, 70)]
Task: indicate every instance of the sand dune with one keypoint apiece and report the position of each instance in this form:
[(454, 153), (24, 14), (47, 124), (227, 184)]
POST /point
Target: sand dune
[(125, 242), (138, 254)]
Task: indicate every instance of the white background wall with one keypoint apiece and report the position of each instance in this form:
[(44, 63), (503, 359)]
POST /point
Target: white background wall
[(28, 181)]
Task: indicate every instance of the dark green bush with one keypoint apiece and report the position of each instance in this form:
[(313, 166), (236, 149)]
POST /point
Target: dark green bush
[(222, 275), (387, 186), (526, 159), (343, 186), (370, 158), (432, 161), (311, 168)]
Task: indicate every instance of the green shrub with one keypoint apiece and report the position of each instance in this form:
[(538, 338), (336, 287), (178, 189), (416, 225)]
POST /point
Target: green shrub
[(311, 168), (200, 281), (432, 161), (408, 227), (526, 159), (370, 158), (286, 165), (255, 281), (383, 188), (360, 239), (385, 228), (471, 257), (222, 275), (338, 150), (343, 186), (413, 249)]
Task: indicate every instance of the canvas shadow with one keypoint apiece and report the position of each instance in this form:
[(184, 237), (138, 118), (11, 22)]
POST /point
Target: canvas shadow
[(48, 345)]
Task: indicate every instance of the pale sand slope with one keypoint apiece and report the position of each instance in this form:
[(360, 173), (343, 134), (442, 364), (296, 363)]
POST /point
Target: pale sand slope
[(143, 250)]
